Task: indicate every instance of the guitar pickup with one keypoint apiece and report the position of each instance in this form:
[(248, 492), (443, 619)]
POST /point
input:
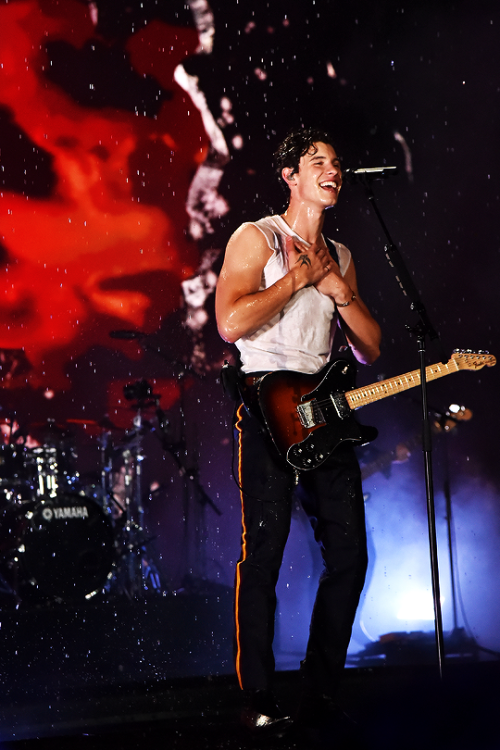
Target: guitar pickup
[(341, 405), (310, 414)]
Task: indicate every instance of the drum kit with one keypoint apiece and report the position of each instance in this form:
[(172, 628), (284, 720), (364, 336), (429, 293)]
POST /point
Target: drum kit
[(62, 539)]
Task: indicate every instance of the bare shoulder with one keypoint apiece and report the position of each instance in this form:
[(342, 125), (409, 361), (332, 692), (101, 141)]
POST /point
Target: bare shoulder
[(246, 255), (248, 234), (247, 242)]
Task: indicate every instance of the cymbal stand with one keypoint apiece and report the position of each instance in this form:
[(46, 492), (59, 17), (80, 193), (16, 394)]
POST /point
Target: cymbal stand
[(136, 565), (132, 479), (106, 448), (447, 422), (106, 461), (195, 561)]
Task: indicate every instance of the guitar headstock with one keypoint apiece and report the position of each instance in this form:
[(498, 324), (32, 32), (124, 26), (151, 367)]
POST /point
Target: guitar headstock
[(469, 360)]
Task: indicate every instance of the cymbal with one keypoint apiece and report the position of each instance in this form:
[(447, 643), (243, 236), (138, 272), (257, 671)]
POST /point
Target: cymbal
[(81, 421), (48, 425), (47, 432), (95, 426), (107, 424)]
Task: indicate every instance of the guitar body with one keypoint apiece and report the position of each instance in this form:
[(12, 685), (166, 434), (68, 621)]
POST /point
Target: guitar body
[(307, 416)]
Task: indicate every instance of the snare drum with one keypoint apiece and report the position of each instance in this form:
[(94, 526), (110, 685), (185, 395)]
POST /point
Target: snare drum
[(67, 548)]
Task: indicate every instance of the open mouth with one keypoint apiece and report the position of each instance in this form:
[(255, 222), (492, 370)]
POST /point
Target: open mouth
[(329, 185)]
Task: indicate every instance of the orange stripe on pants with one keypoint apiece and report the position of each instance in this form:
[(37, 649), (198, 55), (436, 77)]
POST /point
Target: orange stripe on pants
[(243, 553)]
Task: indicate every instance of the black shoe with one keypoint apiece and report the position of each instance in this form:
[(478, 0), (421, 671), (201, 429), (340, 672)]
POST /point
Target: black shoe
[(321, 723), (262, 715), (316, 709)]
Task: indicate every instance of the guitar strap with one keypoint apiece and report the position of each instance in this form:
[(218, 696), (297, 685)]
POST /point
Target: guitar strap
[(332, 249), (237, 387), (231, 380)]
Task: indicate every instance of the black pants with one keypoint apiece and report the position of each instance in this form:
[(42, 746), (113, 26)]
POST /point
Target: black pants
[(332, 497)]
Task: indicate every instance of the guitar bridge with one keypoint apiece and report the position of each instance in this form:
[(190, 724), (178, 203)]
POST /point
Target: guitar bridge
[(310, 414)]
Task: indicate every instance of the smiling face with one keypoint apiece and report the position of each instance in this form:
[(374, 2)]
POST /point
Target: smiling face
[(319, 177)]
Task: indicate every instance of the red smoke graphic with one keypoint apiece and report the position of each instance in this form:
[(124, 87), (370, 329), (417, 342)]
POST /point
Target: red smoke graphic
[(108, 248)]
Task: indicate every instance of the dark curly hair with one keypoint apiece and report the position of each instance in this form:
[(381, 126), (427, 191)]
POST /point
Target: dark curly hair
[(296, 144)]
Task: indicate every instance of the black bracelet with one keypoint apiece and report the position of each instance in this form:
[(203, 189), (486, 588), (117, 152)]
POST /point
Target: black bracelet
[(345, 304)]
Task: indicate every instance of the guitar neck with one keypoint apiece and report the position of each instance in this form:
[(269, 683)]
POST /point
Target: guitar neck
[(390, 387)]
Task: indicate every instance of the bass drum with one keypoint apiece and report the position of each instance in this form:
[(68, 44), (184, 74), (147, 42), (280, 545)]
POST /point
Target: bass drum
[(67, 551)]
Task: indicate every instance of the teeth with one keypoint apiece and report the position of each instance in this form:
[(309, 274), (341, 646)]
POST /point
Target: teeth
[(328, 184)]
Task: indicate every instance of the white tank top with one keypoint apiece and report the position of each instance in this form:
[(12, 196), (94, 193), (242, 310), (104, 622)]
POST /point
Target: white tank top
[(300, 337)]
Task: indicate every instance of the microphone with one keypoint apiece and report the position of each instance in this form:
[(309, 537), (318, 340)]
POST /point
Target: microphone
[(126, 334), (367, 175)]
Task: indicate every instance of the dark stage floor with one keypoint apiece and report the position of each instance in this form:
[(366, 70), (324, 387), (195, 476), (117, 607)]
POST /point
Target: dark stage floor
[(393, 707), (126, 675)]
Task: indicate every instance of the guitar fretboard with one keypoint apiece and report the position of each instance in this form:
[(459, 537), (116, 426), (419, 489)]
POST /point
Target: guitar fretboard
[(390, 387)]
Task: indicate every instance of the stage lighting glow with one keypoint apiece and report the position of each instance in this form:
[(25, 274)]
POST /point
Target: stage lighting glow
[(417, 605)]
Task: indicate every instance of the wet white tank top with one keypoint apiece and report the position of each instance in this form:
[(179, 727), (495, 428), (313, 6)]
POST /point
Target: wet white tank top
[(300, 337)]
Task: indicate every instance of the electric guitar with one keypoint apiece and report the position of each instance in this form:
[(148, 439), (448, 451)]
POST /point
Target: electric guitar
[(309, 416)]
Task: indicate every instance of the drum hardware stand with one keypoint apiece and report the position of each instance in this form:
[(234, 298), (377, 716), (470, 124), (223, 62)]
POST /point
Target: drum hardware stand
[(140, 571), (106, 449), (8, 591), (176, 449), (421, 330), (5, 588), (446, 422), (196, 568)]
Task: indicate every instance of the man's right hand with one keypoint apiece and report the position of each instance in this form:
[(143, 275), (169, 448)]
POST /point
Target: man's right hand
[(309, 264)]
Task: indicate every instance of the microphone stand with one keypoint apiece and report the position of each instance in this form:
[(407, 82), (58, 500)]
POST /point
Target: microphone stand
[(421, 330)]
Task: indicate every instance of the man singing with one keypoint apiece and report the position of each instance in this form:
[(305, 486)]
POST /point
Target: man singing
[(280, 294)]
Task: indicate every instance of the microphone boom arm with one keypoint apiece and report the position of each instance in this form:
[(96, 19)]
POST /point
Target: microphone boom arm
[(405, 281)]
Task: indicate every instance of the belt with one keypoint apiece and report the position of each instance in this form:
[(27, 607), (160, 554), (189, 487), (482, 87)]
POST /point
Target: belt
[(254, 378)]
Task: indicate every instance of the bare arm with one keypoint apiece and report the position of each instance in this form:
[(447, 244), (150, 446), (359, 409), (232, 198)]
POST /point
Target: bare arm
[(362, 330), (241, 307)]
